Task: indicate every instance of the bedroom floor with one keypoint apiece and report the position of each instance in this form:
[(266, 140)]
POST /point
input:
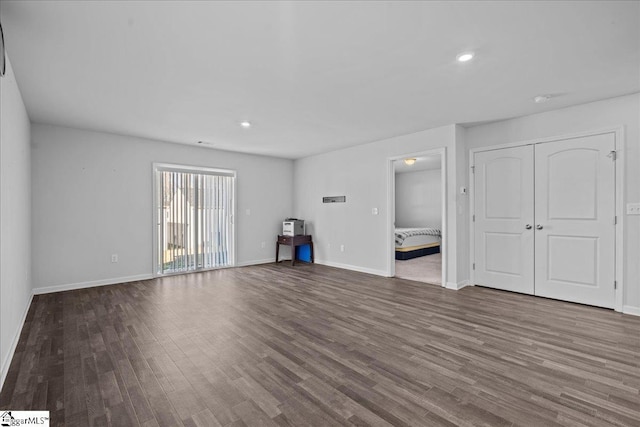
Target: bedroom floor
[(427, 269)]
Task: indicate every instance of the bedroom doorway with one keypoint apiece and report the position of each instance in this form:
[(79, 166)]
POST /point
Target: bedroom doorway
[(418, 183)]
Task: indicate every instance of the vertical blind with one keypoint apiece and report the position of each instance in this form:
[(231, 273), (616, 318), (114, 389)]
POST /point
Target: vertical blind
[(195, 219)]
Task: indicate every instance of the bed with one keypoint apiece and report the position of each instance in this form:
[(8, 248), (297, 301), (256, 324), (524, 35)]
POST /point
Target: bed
[(416, 242)]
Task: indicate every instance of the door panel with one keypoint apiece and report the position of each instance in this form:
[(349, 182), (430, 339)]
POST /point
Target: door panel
[(575, 208), (503, 247), (571, 184), (496, 245)]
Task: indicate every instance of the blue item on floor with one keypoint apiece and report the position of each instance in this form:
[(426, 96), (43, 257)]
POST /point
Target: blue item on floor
[(303, 253)]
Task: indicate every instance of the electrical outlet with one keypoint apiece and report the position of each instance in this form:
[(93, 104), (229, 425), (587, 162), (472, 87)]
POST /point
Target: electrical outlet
[(374, 211), (341, 248), (633, 208), (114, 258), (263, 245)]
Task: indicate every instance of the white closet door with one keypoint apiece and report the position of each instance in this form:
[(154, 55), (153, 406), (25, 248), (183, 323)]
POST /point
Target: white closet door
[(574, 215), (504, 235)]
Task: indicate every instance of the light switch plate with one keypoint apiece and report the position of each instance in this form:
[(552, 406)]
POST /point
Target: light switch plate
[(633, 208)]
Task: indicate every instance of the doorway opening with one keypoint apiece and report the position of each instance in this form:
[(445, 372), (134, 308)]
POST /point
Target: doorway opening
[(418, 187)]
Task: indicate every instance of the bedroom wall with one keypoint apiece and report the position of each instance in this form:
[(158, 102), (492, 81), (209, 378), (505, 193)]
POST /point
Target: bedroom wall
[(92, 197), (15, 216), (611, 113), (419, 199), (361, 173)]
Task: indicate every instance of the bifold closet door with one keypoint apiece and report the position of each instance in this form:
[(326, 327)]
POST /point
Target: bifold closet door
[(574, 216), (504, 234)]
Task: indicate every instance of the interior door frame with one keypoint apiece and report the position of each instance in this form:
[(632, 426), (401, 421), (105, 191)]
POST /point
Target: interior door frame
[(619, 138), (391, 203)]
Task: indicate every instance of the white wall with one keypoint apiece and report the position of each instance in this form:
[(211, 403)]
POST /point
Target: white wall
[(622, 111), (419, 199), (361, 174), (462, 206), (92, 197), (15, 216)]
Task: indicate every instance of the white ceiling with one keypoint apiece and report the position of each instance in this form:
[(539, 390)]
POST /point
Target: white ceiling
[(311, 76)]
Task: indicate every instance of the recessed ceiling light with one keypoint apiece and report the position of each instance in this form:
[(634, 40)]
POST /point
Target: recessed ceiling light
[(245, 124), (465, 56), (541, 98), (409, 162)]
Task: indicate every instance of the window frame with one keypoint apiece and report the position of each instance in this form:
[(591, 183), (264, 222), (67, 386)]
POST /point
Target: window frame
[(155, 179)]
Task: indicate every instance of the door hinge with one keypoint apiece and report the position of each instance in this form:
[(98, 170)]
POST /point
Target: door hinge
[(473, 169), (615, 220), (612, 154), (474, 266), (615, 284), (474, 218)]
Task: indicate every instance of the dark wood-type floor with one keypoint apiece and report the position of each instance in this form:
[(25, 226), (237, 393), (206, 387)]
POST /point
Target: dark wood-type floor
[(314, 345)]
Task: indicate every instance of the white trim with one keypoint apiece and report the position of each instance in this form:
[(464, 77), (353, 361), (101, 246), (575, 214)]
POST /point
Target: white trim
[(6, 364), (472, 209), (352, 268), (619, 136), (612, 129), (631, 310), (621, 216), (173, 167), (391, 204), (458, 286), (256, 262), (91, 284)]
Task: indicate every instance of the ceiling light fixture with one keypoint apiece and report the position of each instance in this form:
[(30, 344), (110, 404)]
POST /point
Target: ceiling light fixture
[(409, 162), (465, 56), (541, 98), (245, 124)]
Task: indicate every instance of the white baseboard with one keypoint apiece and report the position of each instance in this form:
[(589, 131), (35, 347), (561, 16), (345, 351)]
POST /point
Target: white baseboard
[(255, 262), (629, 309), (7, 361), (353, 268), (457, 286), (91, 284)]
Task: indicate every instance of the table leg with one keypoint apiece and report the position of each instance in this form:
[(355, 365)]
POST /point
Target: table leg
[(277, 250), (311, 245), (293, 254)]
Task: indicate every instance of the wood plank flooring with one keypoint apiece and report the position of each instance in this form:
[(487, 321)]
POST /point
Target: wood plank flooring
[(311, 345)]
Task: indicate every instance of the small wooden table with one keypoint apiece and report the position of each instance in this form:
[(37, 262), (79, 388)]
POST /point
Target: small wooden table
[(294, 241)]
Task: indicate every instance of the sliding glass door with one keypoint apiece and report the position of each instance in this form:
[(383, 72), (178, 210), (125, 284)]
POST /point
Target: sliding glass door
[(194, 218)]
